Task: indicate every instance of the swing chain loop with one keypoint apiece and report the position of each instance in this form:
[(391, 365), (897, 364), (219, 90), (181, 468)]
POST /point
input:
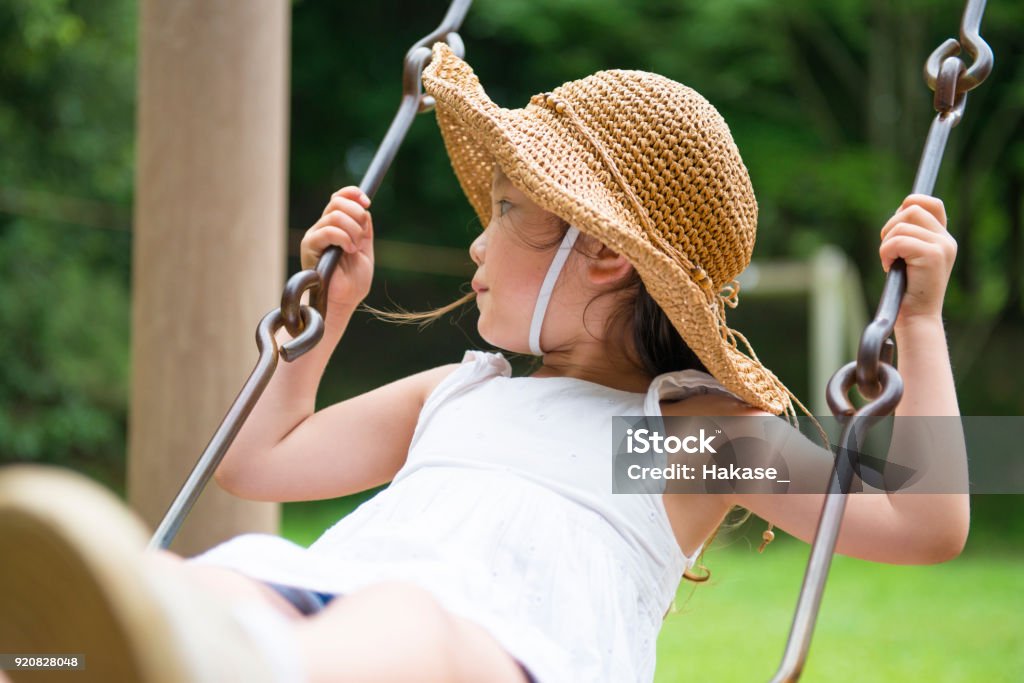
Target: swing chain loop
[(970, 41), (416, 60), (947, 99), (888, 397), (304, 323), (876, 348), (418, 56)]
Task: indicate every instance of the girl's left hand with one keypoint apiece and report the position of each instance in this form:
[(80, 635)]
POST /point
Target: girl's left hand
[(917, 234)]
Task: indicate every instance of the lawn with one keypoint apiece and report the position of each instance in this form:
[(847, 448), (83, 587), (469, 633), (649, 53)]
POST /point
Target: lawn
[(958, 621)]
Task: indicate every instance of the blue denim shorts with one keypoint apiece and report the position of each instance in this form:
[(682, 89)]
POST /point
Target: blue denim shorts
[(310, 602), (306, 601)]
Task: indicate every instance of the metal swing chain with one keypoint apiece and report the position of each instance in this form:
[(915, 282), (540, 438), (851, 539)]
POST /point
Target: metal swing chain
[(872, 372), (305, 323)]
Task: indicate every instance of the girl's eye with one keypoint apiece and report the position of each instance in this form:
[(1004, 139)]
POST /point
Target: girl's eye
[(502, 203)]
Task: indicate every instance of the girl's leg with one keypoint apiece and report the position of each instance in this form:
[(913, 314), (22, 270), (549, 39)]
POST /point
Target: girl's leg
[(73, 580), (396, 631), (389, 631)]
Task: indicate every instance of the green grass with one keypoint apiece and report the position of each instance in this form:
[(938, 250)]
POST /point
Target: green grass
[(958, 621)]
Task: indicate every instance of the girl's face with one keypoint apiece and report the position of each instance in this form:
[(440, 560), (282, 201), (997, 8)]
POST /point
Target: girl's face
[(512, 256)]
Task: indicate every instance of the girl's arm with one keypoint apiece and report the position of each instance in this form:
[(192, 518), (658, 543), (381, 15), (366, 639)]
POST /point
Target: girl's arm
[(928, 437), (286, 451), (901, 527)]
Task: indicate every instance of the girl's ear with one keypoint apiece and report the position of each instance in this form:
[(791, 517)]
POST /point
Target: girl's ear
[(607, 267)]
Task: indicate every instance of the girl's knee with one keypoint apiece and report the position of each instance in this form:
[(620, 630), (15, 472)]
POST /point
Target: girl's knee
[(414, 622), (413, 609), (418, 599)]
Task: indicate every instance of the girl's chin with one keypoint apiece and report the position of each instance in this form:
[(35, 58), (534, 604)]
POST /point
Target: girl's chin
[(496, 339)]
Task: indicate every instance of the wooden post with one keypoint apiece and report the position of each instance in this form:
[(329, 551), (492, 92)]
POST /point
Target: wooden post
[(209, 240)]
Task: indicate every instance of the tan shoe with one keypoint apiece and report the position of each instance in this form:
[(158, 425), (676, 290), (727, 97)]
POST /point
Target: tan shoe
[(73, 581)]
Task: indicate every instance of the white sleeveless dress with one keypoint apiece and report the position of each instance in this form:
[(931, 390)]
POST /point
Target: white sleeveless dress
[(504, 511)]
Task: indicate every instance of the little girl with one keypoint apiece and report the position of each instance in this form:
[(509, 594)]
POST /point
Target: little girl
[(617, 214)]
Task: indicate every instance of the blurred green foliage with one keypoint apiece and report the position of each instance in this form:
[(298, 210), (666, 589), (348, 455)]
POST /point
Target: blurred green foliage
[(825, 100), (66, 124)]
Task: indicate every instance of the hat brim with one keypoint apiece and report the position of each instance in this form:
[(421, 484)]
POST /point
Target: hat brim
[(541, 153)]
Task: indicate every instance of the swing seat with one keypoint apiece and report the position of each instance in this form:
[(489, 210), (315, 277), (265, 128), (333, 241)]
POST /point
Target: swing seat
[(74, 582)]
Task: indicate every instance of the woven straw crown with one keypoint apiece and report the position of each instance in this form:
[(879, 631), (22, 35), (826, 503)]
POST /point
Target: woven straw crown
[(642, 163)]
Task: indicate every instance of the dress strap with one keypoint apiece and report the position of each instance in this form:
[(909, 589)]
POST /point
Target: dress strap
[(679, 384), (491, 363)]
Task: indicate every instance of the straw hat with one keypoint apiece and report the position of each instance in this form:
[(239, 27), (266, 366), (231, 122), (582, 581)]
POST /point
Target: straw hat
[(645, 165)]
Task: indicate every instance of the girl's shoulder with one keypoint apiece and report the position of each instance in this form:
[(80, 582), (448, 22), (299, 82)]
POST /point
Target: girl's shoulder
[(430, 379)]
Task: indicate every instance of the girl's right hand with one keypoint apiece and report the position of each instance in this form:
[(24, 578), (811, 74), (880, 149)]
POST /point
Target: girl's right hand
[(917, 234), (346, 223)]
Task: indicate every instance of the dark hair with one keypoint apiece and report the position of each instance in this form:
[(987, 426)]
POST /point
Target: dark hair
[(656, 342)]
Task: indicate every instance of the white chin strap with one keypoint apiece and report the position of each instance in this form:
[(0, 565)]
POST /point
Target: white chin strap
[(547, 286)]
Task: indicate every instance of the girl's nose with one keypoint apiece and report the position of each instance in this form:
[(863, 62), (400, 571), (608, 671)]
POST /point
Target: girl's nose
[(476, 250)]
